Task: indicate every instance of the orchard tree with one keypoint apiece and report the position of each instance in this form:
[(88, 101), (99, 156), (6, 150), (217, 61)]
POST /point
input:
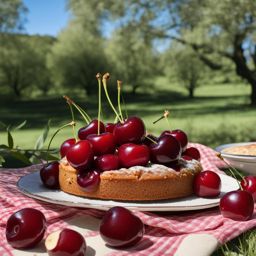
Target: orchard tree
[(11, 15), (215, 30), (187, 68), (23, 63), (78, 54), (132, 57)]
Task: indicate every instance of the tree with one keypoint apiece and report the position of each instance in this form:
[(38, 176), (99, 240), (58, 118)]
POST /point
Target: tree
[(132, 57), (11, 15), (22, 65), (215, 30), (42, 46), (78, 54), (187, 68)]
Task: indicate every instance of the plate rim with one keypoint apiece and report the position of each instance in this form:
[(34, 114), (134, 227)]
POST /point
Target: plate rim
[(159, 208)]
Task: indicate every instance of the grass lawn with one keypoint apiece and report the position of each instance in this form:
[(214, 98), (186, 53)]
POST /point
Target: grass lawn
[(218, 114)]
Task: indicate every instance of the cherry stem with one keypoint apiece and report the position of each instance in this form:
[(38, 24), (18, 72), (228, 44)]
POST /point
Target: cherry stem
[(98, 76), (125, 108), (104, 81), (231, 169), (151, 139), (55, 133), (73, 119), (160, 118), (119, 83), (79, 109), (166, 115)]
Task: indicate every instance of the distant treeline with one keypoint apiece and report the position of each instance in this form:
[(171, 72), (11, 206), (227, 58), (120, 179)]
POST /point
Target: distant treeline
[(197, 39)]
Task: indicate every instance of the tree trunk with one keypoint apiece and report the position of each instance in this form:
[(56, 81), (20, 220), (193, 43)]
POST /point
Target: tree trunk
[(253, 94), (191, 91), (134, 89), (15, 85), (242, 68)]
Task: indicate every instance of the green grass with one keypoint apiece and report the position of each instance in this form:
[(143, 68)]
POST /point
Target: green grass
[(218, 114)]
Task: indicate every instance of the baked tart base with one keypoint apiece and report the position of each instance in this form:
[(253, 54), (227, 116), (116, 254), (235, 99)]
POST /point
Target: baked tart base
[(137, 183)]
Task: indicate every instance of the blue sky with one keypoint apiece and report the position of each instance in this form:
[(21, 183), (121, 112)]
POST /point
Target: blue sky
[(49, 17), (46, 17)]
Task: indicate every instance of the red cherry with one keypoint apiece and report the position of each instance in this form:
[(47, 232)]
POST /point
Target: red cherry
[(193, 153), (120, 228), (80, 155), (166, 150), (207, 184), (107, 162), (180, 135), (25, 228), (67, 242), (49, 175), (110, 127), (88, 181), (248, 183), (131, 130), (91, 128), (102, 144), (187, 158), (130, 154), (149, 139), (237, 205), (66, 145)]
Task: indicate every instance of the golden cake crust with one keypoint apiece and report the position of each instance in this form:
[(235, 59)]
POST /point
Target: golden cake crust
[(249, 150), (135, 184)]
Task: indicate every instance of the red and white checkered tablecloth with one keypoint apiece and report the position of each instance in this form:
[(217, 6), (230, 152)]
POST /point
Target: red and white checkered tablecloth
[(164, 232)]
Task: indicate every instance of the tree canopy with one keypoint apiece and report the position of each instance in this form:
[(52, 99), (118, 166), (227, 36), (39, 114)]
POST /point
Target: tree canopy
[(225, 29)]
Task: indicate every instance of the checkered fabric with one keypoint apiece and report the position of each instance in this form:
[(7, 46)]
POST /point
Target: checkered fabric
[(163, 231)]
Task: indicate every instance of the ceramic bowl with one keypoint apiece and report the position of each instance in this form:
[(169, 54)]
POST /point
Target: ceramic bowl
[(244, 163)]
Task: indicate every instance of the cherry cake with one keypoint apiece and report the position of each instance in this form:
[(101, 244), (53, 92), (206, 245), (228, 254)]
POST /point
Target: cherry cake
[(137, 183), (121, 161)]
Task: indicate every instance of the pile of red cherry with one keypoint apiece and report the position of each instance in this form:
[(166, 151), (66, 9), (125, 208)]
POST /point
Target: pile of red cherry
[(116, 146)]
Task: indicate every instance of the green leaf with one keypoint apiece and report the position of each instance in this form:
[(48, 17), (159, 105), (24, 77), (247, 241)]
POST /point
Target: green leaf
[(2, 146), (10, 139), (20, 125), (2, 125), (42, 138), (21, 157), (47, 156)]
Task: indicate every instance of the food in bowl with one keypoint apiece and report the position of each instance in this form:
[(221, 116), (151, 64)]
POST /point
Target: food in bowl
[(248, 150)]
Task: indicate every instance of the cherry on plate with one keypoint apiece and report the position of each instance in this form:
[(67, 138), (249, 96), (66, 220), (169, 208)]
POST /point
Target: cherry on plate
[(66, 145), (107, 162), (88, 181), (91, 128), (49, 175), (193, 153), (207, 184), (131, 154), (80, 155), (131, 130), (180, 135), (167, 149)]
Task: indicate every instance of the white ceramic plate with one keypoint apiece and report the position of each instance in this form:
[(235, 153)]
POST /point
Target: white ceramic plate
[(242, 162), (32, 186)]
